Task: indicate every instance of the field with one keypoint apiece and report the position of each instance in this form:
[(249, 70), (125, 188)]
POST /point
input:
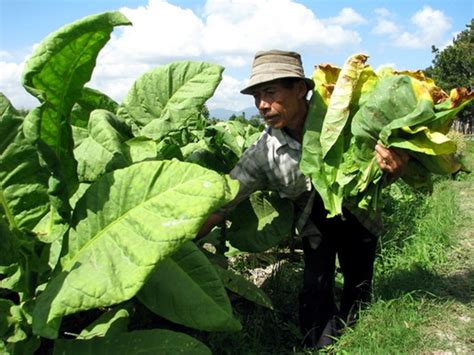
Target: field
[(101, 203)]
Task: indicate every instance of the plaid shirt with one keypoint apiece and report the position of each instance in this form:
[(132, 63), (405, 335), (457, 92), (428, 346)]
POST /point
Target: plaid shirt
[(272, 163)]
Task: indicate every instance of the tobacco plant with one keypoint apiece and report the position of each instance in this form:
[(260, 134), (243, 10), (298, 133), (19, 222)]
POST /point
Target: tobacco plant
[(100, 202)]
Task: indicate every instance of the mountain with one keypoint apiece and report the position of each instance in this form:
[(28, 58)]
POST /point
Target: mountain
[(224, 114)]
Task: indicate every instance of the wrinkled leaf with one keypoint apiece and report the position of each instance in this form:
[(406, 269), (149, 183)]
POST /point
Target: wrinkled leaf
[(104, 149), (140, 149), (55, 74), (338, 112), (111, 323), (260, 222), (123, 226), (170, 97), (186, 289), (205, 155), (24, 196), (89, 101)]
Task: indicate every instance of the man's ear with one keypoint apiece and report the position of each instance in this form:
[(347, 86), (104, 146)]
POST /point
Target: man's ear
[(302, 89)]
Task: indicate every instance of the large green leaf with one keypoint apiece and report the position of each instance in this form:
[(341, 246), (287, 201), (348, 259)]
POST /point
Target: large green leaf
[(312, 163), (140, 149), (338, 112), (205, 154), (170, 97), (104, 149), (260, 222), (23, 182), (155, 341), (124, 225), (89, 101), (111, 323), (186, 289), (55, 74)]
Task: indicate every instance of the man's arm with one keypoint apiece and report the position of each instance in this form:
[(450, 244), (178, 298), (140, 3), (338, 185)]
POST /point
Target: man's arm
[(213, 220)]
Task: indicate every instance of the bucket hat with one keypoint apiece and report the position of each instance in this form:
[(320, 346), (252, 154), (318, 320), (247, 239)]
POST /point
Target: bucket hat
[(275, 64)]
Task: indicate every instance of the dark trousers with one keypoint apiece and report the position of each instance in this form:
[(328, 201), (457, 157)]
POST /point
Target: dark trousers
[(355, 249)]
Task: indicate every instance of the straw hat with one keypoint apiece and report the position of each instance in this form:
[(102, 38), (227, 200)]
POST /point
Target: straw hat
[(275, 64)]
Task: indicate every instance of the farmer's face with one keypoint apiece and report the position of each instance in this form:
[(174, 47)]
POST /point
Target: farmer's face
[(279, 106)]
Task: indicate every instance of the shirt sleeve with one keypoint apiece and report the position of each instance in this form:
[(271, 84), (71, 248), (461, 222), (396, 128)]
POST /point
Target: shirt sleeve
[(250, 172)]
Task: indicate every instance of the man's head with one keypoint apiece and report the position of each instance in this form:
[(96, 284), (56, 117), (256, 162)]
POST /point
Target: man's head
[(275, 64), (279, 88)]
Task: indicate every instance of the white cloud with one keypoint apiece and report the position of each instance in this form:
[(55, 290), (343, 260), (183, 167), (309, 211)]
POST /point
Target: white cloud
[(160, 31), (226, 32), (347, 16), (382, 12), (10, 83), (385, 27), (431, 27), (384, 24), (227, 95)]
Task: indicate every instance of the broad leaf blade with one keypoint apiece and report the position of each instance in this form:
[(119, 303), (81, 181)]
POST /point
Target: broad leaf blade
[(123, 226), (186, 289), (104, 149), (260, 222), (338, 110), (24, 196), (55, 74), (89, 101), (156, 341), (111, 323), (170, 97)]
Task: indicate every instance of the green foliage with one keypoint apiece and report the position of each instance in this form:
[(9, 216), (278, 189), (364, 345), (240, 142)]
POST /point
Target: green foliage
[(99, 202), (453, 67), (255, 224), (188, 275)]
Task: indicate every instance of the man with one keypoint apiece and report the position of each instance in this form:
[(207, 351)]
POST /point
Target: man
[(280, 89)]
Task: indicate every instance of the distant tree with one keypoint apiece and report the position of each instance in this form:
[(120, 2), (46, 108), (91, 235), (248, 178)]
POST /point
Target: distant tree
[(454, 67), (239, 118)]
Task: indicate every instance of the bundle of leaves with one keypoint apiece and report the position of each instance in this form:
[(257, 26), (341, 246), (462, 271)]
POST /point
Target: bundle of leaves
[(353, 108)]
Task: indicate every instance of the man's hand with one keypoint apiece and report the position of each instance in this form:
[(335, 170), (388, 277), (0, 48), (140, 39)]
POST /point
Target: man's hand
[(392, 162), (212, 220)]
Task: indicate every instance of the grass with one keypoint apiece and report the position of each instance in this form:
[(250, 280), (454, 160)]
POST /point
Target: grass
[(423, 284)]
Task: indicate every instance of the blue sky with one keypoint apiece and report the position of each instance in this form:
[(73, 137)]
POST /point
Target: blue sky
[(228, 32)]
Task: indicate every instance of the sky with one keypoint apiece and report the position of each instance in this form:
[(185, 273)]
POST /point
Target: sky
[(399, 34)]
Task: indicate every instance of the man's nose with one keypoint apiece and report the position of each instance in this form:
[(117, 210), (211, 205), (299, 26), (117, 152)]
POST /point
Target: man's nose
[(263, 104)]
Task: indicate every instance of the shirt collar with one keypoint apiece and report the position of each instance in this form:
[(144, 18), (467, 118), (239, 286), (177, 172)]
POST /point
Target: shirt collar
[(282, 138)]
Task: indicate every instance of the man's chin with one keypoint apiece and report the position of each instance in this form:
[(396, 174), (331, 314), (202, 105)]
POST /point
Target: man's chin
[(274, 123)]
